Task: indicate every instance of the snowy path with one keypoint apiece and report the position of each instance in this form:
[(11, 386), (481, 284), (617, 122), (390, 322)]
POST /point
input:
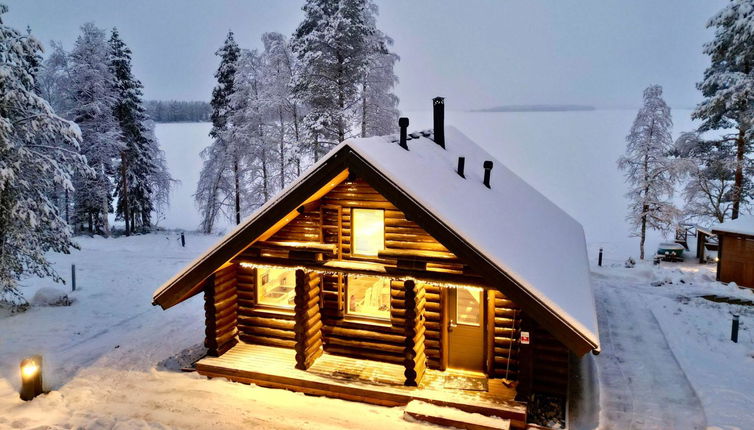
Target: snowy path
[(642, 385)]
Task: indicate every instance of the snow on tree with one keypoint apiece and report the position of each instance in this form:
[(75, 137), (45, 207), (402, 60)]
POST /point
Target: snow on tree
[(54, 78), (710, 166), (282, 109), (213, 189), (649, 170), (332, 44), (93, 99), (728, 88), (379, 105), (138, 167), (39, 152)]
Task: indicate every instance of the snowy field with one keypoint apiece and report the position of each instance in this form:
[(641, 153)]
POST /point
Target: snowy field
[(568, 156)]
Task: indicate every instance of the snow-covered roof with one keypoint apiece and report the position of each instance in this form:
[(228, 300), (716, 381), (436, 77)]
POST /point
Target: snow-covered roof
[(520, 230), (514, 227), (741, 225)]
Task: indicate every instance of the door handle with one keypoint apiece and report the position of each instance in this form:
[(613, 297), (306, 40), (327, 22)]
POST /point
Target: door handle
[(451, 326)]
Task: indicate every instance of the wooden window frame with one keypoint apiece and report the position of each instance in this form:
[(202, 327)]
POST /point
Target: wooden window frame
[(280, 309), (352, 248), (365, 319)]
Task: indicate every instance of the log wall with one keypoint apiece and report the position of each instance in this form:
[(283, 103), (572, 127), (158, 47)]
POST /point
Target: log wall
[(504, 321), (308, 322), (220, 308), (549, 364), (256, 325)]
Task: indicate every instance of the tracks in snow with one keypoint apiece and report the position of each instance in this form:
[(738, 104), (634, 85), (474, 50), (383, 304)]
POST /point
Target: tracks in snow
[(642, 386)]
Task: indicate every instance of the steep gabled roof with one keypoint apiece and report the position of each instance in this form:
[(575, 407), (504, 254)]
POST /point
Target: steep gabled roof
[(510, 233)]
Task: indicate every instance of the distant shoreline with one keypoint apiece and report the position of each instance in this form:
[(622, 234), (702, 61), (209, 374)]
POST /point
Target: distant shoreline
[(537, 108)]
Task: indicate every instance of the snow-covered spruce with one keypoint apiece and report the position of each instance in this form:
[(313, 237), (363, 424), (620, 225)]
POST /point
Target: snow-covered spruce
[(39, 154), (214, 192), (728, 88), (93, 98), (650, 172), (142, 179)]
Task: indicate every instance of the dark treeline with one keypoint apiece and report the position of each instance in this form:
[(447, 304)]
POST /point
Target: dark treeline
[(178, 110)]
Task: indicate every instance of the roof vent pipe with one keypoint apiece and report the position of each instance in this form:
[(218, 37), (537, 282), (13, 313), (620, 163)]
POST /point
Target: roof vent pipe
[(403, 124), (438, 110), (487, 171), (461, 163)]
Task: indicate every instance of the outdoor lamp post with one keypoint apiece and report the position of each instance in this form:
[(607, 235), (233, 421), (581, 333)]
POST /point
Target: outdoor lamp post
[(31, 377)]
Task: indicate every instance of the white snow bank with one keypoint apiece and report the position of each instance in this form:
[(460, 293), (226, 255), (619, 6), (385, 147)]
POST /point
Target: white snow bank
[(49, 296), (429, 410)]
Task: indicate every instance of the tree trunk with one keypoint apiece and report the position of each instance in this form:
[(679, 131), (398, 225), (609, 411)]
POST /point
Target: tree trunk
[(644, 208), (643, 234), (67, 215), (739, 176), (124, 192), (265, 177), (364, 108), (105, 222), (237, 189), (282, 147)]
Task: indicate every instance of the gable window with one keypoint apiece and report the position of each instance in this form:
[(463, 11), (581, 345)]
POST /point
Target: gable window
[(368, 297), (368, 231), (276, 287)]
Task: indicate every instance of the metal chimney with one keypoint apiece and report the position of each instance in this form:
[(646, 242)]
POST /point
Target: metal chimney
[(403, 124), (461, 163), (438, 109), (487, 171)]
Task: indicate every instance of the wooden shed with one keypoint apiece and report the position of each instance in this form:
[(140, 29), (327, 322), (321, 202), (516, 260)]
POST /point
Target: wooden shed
[(736, 251), (399, 269)]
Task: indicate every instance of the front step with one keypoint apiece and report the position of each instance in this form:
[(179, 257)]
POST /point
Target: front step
[(452, 417)]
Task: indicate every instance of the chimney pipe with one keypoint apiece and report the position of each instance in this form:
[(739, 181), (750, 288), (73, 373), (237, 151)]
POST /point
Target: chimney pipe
[(487, 170), (461, 163), (403, 124), (438, 109)]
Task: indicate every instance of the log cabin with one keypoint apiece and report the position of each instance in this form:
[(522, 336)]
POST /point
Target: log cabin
[(736, 251), (400, 268)]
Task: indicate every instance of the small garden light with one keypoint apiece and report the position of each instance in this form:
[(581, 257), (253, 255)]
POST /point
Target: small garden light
[(31, 377)]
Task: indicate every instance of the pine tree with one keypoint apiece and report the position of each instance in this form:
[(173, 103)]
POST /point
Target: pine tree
[(214, 189), (650, 172), (728, 88), (332, 44), (138, 164), (379, 105), (39, 152), (93, 100)]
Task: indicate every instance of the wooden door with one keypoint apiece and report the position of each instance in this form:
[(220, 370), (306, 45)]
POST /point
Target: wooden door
[(736, 263), (466, 329)]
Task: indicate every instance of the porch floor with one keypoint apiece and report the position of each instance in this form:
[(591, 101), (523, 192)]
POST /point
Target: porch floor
[(359, 380)]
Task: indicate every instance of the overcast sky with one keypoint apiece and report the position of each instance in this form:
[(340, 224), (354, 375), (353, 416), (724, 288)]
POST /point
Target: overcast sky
[(476, 53)]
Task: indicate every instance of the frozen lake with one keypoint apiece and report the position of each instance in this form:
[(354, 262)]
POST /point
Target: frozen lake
[(568, 156)]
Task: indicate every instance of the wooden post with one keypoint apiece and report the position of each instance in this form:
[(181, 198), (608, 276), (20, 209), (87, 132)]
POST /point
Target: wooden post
[(308, 319), (73, 277), (183, 240), (599, 259), (414, 357), (490, 335), (444, 324), (734, 329)]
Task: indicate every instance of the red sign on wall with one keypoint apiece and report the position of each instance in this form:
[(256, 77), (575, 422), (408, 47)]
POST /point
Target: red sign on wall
[(524, 338)]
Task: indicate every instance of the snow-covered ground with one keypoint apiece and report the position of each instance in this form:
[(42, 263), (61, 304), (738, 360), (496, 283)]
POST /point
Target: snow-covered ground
[(665, 352)]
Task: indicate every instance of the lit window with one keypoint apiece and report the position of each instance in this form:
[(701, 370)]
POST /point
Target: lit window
[(369, 297), (276, 287), (468, 304), (368, 231)]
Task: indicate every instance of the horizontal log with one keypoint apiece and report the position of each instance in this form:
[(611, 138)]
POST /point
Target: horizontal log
[(504, 352), (349, 333), (305, 343), (225, 303), (247, 279), (396, 244), (220, 297), (313, 328), (226, 337), (502, 361), (435, 344), (220, 331), (231, 317), (504, 342), (267, 332), (365, 354), (360, 204), (504, 303), (360, 344), (506, 313), (266, 322), (228, 310), (263, 340)]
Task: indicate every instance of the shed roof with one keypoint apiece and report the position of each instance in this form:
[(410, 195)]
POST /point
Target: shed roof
[(510, 232), (742, 225)]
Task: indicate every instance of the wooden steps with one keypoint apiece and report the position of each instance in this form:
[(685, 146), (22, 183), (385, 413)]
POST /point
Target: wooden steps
[(453, 417)]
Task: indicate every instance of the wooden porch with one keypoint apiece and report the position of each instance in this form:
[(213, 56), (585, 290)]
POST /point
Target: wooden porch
[(364, 381)]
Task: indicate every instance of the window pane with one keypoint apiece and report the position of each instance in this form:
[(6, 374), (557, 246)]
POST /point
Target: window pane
[(368, 231), (468, 306), (369, 297), (276, 287)]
